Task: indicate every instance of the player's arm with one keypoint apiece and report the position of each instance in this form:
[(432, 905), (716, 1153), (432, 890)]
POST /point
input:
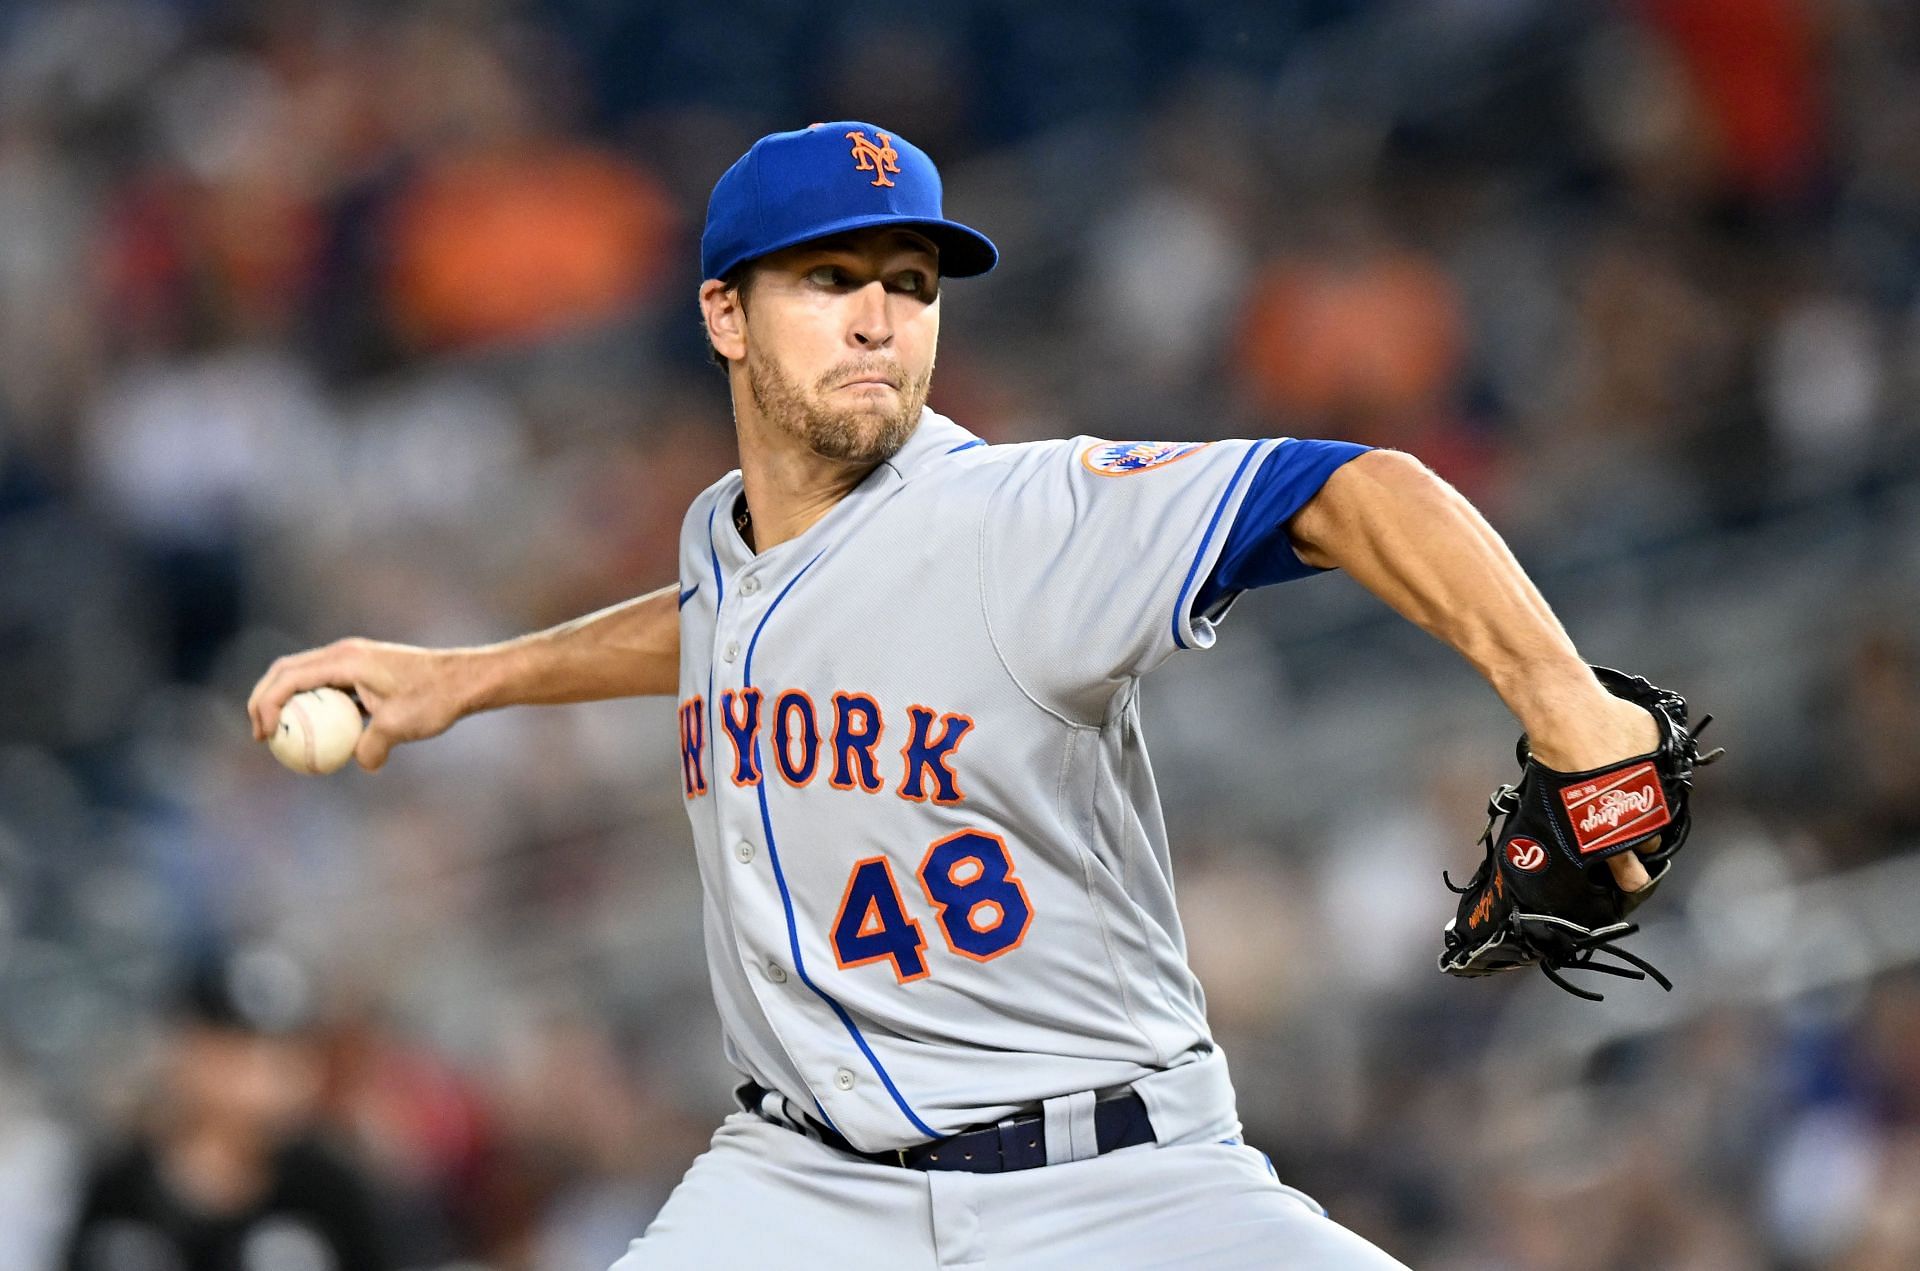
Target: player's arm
[(1414, 541), (629, 650)]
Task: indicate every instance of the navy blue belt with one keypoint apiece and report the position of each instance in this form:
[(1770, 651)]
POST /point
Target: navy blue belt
[(1019, 1144)]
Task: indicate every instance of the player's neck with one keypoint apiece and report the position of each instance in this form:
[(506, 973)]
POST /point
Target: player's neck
[(788, 487)]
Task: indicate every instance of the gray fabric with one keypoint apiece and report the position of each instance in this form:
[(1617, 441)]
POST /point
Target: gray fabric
[(1019, 590), (763, 1196), (1069, 1127)]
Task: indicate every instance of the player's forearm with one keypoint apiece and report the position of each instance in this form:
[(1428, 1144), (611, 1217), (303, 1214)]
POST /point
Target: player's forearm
[(1414, 541), (630, 649)]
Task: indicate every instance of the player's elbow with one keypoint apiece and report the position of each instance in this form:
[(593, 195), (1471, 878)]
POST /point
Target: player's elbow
[(1391, 465), (1386, 480), (1380, 484)]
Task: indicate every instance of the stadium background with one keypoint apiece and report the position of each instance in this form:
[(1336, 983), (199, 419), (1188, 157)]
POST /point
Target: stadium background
[(325, 319)]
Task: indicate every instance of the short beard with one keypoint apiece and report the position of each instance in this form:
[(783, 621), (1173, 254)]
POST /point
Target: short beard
[(868, 435)]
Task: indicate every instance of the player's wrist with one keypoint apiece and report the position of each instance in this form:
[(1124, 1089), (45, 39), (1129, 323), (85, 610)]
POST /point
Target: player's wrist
[(1595, 735), (1573, 723), (479, 678)]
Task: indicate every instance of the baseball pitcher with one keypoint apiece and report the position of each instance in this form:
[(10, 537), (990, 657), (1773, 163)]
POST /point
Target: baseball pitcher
[(939, 910)]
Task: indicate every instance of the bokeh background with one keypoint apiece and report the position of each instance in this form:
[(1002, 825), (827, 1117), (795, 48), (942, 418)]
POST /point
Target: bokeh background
[(339, 318)]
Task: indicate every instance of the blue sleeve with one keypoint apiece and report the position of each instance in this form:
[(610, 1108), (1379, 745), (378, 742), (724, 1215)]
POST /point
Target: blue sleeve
[(1258, 552)]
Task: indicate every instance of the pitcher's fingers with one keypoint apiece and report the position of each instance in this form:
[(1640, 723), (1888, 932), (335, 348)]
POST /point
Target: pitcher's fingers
[(256, 713), (292, 674), (263, 707), (1628, 872), (281, 681), (371, 750)]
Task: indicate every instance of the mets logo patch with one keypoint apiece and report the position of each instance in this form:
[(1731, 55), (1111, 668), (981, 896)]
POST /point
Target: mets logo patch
[(878, 159), (1124, 458)]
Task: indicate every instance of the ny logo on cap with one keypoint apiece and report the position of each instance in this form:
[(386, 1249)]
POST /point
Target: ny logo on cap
[(879, 160)]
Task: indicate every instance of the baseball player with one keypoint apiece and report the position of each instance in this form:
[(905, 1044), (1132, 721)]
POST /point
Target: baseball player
[(939, 910)]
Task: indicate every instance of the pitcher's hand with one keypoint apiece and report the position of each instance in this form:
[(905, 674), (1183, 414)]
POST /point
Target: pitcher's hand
[(407, 693), (1614, 730)]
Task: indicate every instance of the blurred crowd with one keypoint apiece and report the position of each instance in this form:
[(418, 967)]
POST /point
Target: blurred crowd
[(354, 318)]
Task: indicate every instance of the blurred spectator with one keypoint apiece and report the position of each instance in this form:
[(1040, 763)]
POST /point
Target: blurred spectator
[(225, 1174), (1359, 337), (38, 1170), (511, 231), (1754, 65), (1883, 696), (526, 242)]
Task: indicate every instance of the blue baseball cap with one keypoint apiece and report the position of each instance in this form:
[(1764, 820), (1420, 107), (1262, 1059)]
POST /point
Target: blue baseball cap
[(793, 187)]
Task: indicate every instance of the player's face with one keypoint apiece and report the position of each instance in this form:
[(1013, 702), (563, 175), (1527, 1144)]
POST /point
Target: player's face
[(840, 339), (239, 1080)]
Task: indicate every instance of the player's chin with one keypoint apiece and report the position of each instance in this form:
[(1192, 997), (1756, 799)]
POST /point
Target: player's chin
[(862, 435)]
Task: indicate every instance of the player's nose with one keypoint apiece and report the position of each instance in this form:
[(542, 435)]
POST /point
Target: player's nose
[(871, 326)]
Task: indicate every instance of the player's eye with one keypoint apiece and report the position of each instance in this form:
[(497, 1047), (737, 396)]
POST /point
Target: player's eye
[(827, 276), (912, 283)]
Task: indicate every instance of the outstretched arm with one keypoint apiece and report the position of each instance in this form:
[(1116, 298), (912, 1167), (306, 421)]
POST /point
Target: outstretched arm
[(1412, 540), (628, 650)]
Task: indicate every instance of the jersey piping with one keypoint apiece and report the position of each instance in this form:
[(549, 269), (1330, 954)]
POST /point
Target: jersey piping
[(719, 598), (1226, 496), (786, 899)]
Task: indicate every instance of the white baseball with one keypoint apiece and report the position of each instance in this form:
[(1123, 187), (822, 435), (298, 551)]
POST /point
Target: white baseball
[(318, 731)]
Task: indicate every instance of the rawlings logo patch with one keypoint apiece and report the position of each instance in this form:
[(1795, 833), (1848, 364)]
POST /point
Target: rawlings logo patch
[(1124, 458), (1525, 855), (1616, 807)]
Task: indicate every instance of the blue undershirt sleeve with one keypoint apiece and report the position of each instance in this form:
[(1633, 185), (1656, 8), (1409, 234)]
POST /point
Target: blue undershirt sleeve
[(1258, 552)]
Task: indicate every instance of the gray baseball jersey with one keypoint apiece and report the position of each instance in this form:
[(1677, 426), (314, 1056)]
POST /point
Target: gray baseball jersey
[(937, 885)]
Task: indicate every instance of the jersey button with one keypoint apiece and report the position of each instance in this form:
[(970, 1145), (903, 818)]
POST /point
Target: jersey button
[(750, 586), (843, 1079), (776, 973), (743, 851), (731, 652)]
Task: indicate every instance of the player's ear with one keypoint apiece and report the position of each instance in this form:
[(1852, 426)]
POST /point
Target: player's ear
[(723, 308)]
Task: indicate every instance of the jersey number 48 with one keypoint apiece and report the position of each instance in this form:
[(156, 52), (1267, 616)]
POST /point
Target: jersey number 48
[(968, 878)]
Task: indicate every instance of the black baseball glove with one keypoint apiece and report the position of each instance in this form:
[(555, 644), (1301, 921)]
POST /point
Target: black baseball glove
[(1543, 897)]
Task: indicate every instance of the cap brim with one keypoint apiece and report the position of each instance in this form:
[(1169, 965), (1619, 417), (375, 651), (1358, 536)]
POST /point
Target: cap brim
[(964, 252)]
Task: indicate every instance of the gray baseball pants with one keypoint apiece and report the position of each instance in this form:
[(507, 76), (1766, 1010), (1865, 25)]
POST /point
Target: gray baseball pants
[(766, 1196)]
